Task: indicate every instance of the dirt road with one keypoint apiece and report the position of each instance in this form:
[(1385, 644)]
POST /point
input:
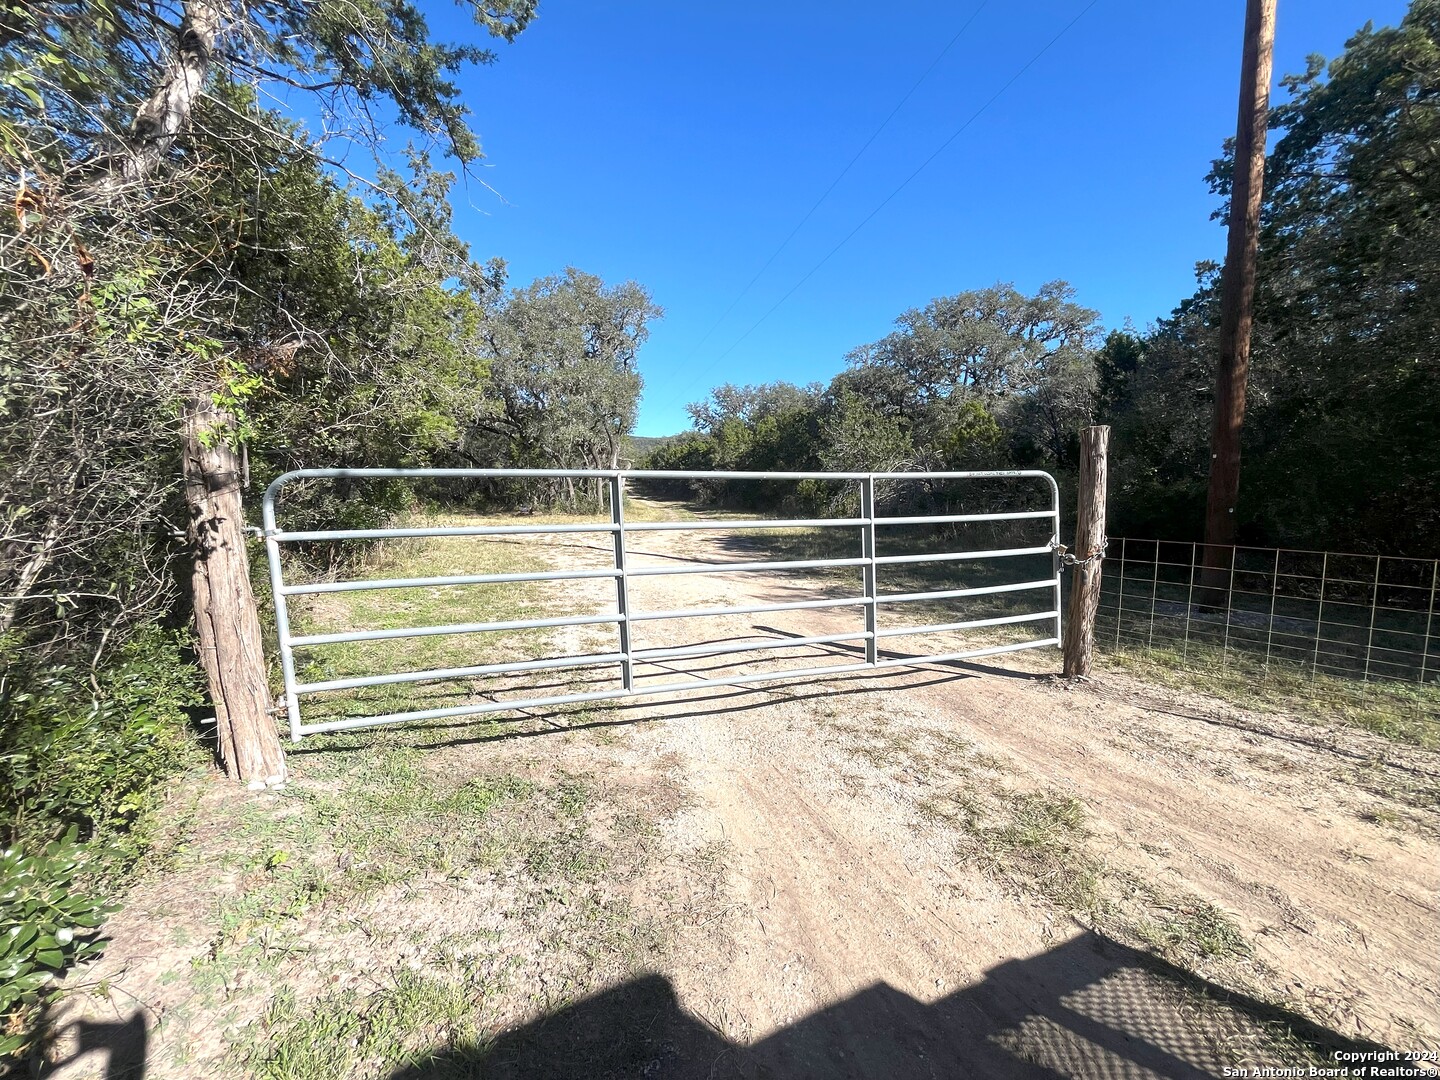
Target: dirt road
[(1307, 851), (945, 870)]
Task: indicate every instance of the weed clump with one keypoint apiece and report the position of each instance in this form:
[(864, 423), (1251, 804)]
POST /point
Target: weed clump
[(1194, 931), (1036, 841)]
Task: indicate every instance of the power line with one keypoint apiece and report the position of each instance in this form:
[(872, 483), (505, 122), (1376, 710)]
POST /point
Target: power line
[(843, 173), (886, 201)]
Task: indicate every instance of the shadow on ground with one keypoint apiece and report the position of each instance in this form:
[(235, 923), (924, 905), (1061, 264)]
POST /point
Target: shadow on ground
[(1090, 1009), (122, 1046), (703, 701)]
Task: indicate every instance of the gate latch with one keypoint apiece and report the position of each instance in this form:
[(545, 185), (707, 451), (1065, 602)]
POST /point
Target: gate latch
[(1097, 554)]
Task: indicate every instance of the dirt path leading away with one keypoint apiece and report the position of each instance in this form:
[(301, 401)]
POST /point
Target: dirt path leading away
[(1282, 859), (959, 870)]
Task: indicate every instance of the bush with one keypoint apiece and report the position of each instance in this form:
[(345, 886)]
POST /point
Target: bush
[(81, 756), (343, 503), (83, 751), (47, 928)]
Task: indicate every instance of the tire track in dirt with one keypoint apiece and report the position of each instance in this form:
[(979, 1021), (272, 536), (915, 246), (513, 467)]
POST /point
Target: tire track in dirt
[(836, 896), (1290, 871), (837, 932)]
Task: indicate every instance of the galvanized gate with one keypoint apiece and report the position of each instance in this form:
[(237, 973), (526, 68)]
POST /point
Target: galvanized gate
[(624, 617)]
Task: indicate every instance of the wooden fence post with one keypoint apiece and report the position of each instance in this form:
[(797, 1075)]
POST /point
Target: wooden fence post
[(227, 621), (1088, 552)]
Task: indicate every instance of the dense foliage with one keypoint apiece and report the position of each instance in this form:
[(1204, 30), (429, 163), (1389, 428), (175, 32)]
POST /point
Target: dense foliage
[(48, 923), (1341, 444), (1342, 436), (565, 386), (173, 238), (984, 379)]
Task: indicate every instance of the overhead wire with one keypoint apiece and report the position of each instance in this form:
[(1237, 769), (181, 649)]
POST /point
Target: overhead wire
[(841, 176), (888, 198)]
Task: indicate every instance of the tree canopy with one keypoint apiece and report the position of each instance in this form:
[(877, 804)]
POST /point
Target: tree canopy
[(122, 77), (969, 381), (1342, 439), (564, 387), (176, 238)]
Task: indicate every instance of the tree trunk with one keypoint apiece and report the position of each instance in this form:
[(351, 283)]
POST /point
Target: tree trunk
[(227, 622), (226, 618), (163, 116)]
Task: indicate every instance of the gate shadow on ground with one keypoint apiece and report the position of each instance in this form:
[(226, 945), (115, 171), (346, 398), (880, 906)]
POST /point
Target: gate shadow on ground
[(702, 702), (625, 713), (1090, 1009), (967, 668)]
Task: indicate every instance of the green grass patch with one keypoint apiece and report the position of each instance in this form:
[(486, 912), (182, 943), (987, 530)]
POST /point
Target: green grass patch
[(410, 1020), (378, 818), (383, 609), (1041, 843), (1401, 712), (361, 834), (1038, 841), (379, 835), (397, 608), (1192, 931)]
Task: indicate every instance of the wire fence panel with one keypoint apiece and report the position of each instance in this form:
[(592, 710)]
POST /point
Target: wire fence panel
[(1366, 617), (872, 529)]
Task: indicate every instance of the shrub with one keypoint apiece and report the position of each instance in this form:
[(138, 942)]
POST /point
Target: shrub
[(47, 927), (81, 750), (81, 755), (343, 503)]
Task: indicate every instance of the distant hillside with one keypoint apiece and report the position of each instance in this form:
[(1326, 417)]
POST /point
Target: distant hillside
[(636, 447)]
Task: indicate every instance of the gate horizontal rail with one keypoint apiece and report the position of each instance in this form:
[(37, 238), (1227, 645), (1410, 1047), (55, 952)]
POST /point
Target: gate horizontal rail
[(626, 657)]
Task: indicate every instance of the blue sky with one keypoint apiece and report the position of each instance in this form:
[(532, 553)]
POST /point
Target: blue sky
[(678, 144)]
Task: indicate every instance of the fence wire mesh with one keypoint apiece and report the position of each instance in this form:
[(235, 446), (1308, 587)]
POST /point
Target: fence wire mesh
[(1366, 617)]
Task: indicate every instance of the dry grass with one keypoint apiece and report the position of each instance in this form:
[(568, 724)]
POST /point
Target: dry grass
[(400, 899), (1040, 843), (1402, 712)]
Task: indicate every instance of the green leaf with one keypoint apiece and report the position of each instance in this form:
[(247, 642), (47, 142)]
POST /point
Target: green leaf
[(9, 1044)]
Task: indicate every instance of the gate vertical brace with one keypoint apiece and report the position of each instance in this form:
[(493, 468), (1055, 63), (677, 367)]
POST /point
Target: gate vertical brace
[(868, 571), (282, 626), (622, 581), (1056, 566)]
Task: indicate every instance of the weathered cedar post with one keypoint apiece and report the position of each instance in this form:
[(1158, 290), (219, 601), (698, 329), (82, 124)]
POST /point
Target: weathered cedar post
[(1088, 550), (227, 621)]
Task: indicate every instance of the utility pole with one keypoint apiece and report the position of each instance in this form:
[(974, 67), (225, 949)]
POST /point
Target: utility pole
[(1237, 296)]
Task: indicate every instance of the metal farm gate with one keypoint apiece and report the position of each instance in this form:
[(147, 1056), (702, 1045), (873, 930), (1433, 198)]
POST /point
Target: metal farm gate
[(868, 524)]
